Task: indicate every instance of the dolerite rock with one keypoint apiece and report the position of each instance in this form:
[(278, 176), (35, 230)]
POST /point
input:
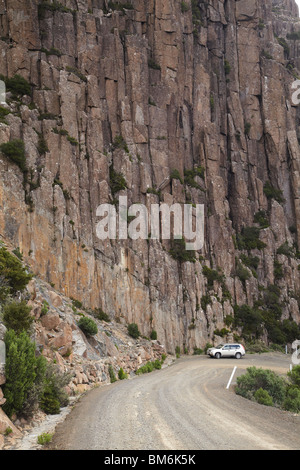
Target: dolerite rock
[(204, 86)]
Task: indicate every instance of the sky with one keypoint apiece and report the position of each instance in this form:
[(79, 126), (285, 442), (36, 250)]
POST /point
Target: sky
[(298, 3)]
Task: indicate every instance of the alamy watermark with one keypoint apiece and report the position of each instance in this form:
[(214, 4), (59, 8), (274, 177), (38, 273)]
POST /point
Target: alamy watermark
[(296, 354), (2, 92), (296, 94), (160, 221)]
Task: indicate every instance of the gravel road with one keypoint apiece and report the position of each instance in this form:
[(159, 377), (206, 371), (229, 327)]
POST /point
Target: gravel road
[(183, 407)]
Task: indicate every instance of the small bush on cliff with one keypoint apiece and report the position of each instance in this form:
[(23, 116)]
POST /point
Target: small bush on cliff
[(248, 239), (153, 335), (117, 181), (211, 276), (179, 252), (17, 85), (133, 330), (120, 6), (88, 326), (13, 272), (100, 315), (273, 193), (15, 151)]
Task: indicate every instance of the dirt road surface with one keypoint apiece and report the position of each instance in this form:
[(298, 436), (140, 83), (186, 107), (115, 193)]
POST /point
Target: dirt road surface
[(183, 407)]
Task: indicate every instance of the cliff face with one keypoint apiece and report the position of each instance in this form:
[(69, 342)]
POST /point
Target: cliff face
[(186, 85)]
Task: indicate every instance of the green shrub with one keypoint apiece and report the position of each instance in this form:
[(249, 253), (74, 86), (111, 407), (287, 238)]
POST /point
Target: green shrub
[(251, 262), (223, 332), (133, 330), (285, 249), (119, 143), (248, 239), (284, 44), (198, 351), (278, 270), (295, 36), (117, 181), (49, 403), (88, 326), (247, 128), (53, 7), (149, 367), (292, 400), (196, 13), (249, 318), (17, 317), (12, 272), (44, 438), (76, 303), (175, 175), (77, 72), (20, 370), (294, 375), (157, 364), (52, 51), (184, 7), (17, 85), (254, 379), (205, 301), (291, 331), (189, 176), (3, 113), (263, 397), (153, 335), (242, 273), (42, 145), (212, 275), (179, 252), (112, 374), (15, 151), (153, 65), (227, 67), (261, 218), (53, 395), (120, 6), (122, 375), (100, 315), (45, 308), (273, 193)]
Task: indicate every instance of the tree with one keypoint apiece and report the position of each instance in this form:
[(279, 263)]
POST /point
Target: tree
[(20, 370), (13, 272), (16, 316)]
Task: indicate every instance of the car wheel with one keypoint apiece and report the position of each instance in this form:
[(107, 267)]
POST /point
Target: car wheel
[(238, 356), (217, 355)]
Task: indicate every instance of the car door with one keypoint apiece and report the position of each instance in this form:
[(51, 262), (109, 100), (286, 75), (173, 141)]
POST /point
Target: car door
[(226, 352)]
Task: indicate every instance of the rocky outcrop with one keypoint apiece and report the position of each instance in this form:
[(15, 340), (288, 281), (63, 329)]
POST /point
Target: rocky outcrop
[(186, 84)]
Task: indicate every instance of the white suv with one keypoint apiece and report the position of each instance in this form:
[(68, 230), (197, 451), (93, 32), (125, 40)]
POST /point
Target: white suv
[(227, 350)]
